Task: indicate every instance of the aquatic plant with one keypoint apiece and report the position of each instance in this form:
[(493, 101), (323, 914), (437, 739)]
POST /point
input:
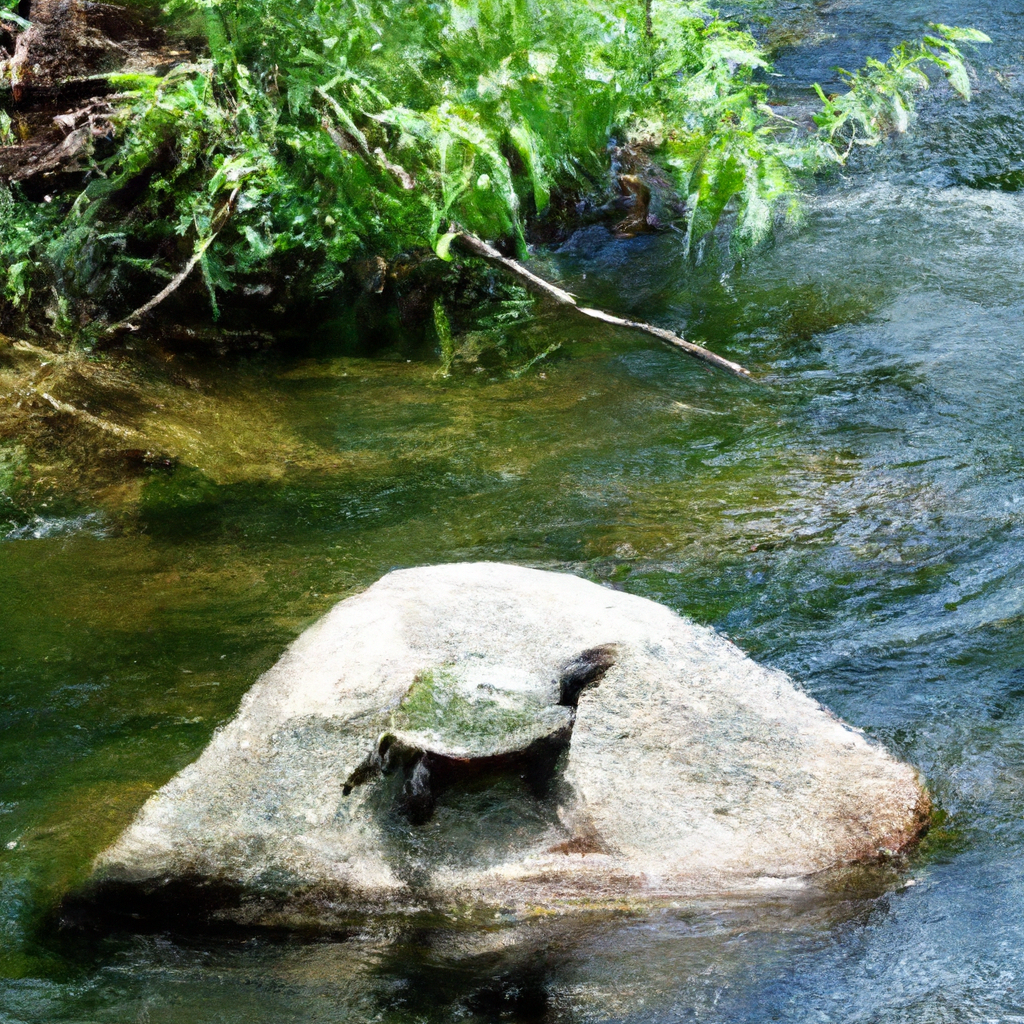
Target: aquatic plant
[(318, 133)]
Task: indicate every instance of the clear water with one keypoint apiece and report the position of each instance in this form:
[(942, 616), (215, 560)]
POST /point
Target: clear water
[(856, 520)]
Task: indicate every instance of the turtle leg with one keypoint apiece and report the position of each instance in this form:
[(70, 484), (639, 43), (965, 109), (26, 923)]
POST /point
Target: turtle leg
[(418, 797)]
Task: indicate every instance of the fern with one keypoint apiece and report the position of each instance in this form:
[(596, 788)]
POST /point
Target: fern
[(879, 98)]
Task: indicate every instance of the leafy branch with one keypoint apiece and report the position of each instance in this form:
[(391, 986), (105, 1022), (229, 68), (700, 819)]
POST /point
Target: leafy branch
[(879, 99), (9, 15)]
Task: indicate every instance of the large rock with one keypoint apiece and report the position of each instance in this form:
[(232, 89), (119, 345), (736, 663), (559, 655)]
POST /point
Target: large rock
[(483, 735)]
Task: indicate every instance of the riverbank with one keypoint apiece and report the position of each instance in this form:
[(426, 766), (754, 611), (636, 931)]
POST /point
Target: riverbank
[(263, 166)]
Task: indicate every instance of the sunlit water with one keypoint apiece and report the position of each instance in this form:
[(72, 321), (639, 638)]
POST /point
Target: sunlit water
[(856, 519)]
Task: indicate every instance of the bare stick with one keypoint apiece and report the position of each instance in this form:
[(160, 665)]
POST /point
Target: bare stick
[(689, 347), (111, 428), (175, 283), (479, 247)]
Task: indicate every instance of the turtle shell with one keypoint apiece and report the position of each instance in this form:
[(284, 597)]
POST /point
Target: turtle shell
[(471, 711)]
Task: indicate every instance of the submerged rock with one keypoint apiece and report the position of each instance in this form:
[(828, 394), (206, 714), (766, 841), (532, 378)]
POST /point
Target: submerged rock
[(484, 735)]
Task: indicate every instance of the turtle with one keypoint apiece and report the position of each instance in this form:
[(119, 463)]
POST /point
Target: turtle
[(472, 720)]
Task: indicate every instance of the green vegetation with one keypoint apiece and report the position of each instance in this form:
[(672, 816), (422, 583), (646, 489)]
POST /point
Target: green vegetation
[(8, 13), (321, 132), (879, 99)]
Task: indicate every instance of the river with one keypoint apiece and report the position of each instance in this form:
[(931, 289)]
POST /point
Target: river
[(856, 518)]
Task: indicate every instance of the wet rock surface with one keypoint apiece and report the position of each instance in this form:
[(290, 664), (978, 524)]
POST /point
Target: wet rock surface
[(485, 735)]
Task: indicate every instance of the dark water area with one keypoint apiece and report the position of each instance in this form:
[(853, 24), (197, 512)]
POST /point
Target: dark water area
[(857, 519)]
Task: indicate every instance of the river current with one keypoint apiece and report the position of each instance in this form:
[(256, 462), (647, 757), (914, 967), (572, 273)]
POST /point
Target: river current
[(855, 518)]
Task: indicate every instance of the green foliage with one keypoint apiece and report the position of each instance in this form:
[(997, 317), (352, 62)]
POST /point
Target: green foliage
[(721, 139), (880, 96), (21, 227), (323, 130)]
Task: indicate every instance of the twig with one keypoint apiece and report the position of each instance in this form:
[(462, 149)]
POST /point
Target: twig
[(479, 247), (175, 283)]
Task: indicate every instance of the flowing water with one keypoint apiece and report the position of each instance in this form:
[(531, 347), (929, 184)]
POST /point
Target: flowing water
[(857, 519)]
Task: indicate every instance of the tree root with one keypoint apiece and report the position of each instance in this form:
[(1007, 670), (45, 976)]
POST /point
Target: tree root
[(64, 151)]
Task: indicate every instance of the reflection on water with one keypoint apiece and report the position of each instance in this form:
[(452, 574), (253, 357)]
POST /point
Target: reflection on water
[(855, 520)]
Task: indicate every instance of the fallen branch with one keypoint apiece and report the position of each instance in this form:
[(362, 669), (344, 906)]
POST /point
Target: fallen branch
[(479, 247), (175, 283), (71, 410)]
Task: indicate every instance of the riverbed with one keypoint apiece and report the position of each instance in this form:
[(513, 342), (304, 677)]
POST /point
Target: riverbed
[(855, 517)]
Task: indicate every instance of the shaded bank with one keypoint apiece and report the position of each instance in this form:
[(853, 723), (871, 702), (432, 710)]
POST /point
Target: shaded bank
[(291, 151)]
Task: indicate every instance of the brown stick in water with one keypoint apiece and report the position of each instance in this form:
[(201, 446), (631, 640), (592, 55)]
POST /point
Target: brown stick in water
[(479, 247)]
